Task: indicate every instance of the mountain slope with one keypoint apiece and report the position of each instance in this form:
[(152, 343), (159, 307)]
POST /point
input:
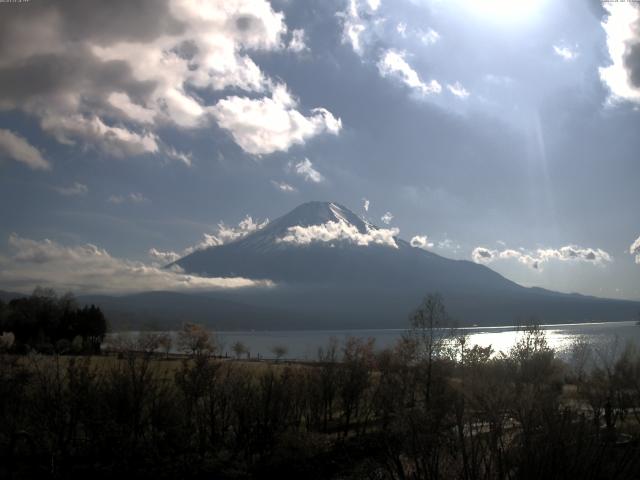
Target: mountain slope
[(263, 254), (168, 310), (336, 269)]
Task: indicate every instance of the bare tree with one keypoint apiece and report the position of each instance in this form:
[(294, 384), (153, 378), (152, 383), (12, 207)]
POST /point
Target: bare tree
[(430, 330), (147, 343), (239, 349), (165, 343), (354, 378), (604, 376), (581, 354), (279, 351), (196, 340), (328, 378)]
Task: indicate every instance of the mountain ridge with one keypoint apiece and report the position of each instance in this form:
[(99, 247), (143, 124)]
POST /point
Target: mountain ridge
[(384, 281), (353, 275)]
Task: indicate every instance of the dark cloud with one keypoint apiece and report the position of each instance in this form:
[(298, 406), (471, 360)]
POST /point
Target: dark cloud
[(632, 63), (79, 72), (95, 20), (122, 20), (632, 54), (84, 60), (44, 47)]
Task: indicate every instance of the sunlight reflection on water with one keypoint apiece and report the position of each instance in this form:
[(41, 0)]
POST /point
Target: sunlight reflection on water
[(304, 344)]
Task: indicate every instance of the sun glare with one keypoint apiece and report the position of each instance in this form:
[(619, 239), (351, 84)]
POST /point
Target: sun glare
[(507, 12)]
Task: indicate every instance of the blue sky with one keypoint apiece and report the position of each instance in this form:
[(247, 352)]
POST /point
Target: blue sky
[(500, 132)]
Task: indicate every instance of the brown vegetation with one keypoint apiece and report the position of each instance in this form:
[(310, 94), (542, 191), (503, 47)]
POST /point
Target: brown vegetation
[(428, 408)]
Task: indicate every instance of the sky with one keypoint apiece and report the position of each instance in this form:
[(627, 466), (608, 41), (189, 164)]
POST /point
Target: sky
[(505, 133)]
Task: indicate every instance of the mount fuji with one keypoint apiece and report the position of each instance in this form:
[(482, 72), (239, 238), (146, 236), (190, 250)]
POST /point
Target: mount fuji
[(333, 269)]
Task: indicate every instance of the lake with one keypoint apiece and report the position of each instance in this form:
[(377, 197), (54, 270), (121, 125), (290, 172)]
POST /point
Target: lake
[(304, 344)]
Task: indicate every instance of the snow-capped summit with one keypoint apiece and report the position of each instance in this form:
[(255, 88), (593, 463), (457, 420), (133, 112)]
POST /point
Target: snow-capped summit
[(323, 224), (319, 242), (319, 213), (331, 267)]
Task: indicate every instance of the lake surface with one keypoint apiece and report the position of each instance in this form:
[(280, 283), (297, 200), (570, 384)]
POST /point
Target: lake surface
[(304, 344)]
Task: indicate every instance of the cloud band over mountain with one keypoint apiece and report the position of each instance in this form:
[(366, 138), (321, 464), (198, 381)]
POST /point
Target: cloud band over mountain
[(535, 259), (91, 269)]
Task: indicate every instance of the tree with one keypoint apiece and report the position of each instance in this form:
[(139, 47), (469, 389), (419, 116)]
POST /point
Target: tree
[(165, 342), (239, 349), (279, 351), (147, 343), (581, 353), (534, 359), (6, 341), (429, 330), (3, 314), (328, 379), (428, 325), (43, 319), (195, 340), (354, 377), (92, 325)]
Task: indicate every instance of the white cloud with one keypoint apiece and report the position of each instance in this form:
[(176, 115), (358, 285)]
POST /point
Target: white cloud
[(224, 234), (133, 111), (130, 198), (138, 198), (393, 64), (76, 189), (634, 249), (208, 240), (565, 52), (430, 37), (340, 231), (353, 26), (448, 244), (116, 141), (622, 26), (536, 259), (246, 226), (421, 241), (113, 85), (352, 31), (359, 22), (483, 255), (183, 157), (17, 148), (270, 124), (374, 4), (297, 42), (90, 269), (283, 186), (387, 217), (210, 53), (572, 252), (366, 204), (458, 90), (305, 169), (163, 258)]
